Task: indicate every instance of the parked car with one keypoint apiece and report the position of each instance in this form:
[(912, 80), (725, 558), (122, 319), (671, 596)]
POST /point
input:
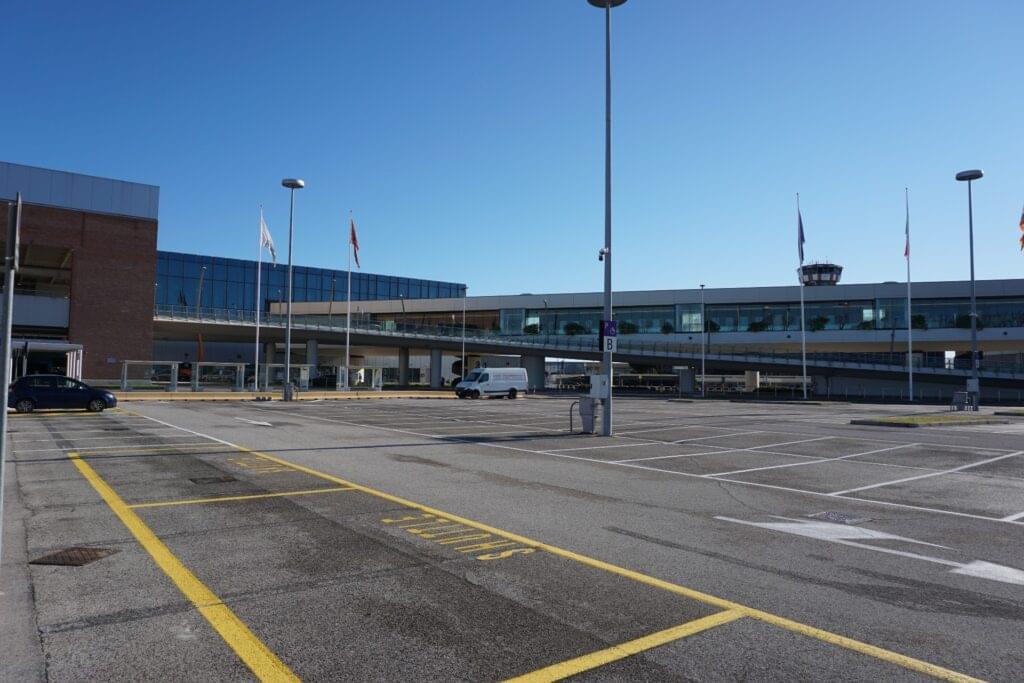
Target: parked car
[(493, 382), (43, 392)]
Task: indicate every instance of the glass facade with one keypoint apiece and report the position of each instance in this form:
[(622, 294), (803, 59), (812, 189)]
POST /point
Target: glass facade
[(880, 314), (231, 283)]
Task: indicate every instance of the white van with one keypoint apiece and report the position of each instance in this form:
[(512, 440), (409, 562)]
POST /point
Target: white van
[(493, 382)]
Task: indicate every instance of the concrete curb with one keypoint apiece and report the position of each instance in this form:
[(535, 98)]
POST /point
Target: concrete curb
[(251, 396), (912, 425)]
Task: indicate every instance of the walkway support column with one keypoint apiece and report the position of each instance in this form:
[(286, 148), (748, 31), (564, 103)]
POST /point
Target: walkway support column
[(403, 367), (435, 368), (269, 351), (534, 370), (311, 354)]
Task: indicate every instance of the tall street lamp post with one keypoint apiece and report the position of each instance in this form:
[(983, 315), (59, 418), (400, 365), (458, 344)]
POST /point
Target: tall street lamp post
[(606, 252), (292, 184), (973, 388)]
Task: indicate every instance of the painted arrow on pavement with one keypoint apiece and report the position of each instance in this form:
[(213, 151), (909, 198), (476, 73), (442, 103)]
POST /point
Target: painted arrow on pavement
[(255, 422), (845, 534)]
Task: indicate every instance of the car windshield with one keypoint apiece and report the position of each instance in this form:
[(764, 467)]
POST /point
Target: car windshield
[(473, 376)]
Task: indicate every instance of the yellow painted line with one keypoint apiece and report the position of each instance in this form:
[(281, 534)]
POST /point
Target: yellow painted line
[(572, 667), (225, 499), (889, 656), (263, 663), (86, 451)]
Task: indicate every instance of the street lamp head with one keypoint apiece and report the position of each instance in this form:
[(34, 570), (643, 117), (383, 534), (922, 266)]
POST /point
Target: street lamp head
[(970, 175), (293, 183), (606, 3)]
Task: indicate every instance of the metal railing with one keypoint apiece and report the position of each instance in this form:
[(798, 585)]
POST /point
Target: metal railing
[(1011, 368)]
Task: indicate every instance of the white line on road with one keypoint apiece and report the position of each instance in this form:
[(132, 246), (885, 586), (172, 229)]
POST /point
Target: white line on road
[(720, 451), (740, 482), (725, 449), (1014, 518), (719, 436), (810, 462), (925, 476)]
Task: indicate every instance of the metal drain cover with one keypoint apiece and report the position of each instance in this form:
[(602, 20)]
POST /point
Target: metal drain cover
[(212, 480), (839, 517), (74, 557)]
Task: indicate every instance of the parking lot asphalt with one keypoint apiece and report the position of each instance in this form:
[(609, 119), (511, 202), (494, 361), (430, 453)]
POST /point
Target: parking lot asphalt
[(480, 540)]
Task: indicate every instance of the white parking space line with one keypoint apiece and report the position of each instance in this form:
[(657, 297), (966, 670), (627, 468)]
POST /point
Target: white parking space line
[(925, 476), (719, 451), (812, 462), (1014, 518), (567, 456), (594, 448), (717, 436), (660, 429)]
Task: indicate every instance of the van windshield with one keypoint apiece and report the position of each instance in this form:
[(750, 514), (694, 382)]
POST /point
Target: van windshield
[(473, 376)]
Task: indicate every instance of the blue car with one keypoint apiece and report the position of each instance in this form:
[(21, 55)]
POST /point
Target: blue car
[(43, 392)]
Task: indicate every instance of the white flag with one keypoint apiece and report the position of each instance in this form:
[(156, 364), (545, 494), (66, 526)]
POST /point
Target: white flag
[(265, 239)]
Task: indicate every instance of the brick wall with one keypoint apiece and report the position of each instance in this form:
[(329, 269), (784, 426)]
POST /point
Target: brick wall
[(113, 271)]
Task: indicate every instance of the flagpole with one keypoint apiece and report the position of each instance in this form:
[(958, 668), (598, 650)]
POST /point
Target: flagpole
[(259, 271), (910, 346), (348, 304), (800, 274)]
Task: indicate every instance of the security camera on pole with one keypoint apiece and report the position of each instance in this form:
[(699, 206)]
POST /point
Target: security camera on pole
[(607, 324)]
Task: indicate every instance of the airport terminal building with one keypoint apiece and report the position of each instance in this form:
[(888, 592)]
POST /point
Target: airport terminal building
[(93, 278)]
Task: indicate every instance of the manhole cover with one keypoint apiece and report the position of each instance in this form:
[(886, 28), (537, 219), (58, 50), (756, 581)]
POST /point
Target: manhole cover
[(212, 480), (74, 557), (839, 517)]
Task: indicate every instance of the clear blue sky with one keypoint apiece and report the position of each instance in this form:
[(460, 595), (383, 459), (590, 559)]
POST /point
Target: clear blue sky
[(467, 136)]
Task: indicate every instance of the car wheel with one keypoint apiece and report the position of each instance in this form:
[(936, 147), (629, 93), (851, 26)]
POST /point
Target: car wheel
[(25, 405), (475, 394), (512, 393), (96, 406)]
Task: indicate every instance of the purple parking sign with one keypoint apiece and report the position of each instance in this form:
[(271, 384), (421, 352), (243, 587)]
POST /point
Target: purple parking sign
[(609, 328)]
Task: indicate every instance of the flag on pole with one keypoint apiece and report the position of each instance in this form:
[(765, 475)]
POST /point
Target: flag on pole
[(266, 241), (353, 240), (800, 235), (1022, 229)]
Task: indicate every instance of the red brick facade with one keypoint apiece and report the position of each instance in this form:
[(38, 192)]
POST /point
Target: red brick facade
[(113, 273)]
